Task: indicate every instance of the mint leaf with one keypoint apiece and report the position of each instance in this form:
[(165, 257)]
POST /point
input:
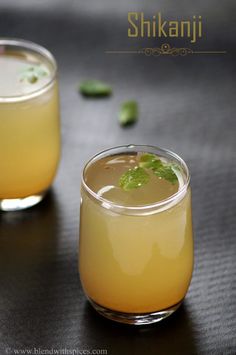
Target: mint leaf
[(33, 73), (166, 172), (139, 176), (133, 179), (149, 161), (94, 88), (128, 113), (160, 169)]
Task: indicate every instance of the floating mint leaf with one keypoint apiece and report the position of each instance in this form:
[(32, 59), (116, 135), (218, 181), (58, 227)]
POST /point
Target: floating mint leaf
[(166, 172), (31, 78), (133, 179), (149, 161), (147, 157), (138, 176), (33, 73), (160, 169), (95, 88), (128, 113)]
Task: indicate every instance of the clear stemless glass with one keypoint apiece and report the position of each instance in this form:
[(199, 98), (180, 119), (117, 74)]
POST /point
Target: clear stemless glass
[(29, 123), (135, 262)]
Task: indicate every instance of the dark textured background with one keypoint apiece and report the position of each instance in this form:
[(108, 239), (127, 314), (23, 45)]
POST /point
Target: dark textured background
[(187, 105)]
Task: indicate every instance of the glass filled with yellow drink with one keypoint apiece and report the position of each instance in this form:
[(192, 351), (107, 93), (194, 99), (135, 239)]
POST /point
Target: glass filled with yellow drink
[(29, 123), (136, 242)]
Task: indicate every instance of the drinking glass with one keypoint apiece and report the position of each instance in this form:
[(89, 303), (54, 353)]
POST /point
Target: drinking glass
[(29, 125), (136, 262)]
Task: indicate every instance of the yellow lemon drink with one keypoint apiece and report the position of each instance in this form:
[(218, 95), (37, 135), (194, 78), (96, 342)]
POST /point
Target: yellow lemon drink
[(29, 123), (136, 245)]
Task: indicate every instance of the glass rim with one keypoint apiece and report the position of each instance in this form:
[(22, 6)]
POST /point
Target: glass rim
[(156, 205), (37, 48)]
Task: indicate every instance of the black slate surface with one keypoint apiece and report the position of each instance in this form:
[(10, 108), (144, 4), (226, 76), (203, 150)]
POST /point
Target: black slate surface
[(187, 105)]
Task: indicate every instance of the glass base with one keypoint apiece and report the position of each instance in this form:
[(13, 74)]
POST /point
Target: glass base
[(135, 318), (16, 204)]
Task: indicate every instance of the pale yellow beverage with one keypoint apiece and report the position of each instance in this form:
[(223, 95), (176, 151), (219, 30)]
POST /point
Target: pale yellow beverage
[(29, 123), (136, 245)]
